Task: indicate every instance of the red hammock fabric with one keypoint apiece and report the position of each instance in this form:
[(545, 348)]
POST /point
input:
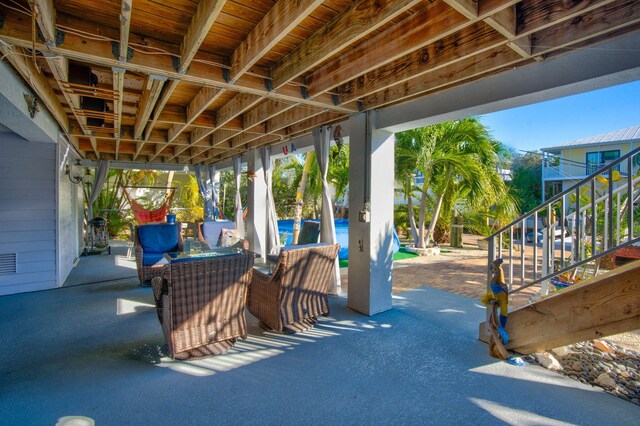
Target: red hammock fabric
[(143, 215)]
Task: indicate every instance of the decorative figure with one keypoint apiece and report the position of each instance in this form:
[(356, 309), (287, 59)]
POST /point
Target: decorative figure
[(497, 298)]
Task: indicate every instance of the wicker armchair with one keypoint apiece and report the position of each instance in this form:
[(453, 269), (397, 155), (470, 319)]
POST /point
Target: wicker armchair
[(151, 242), (209, 232), (290, 299), (200, 304)]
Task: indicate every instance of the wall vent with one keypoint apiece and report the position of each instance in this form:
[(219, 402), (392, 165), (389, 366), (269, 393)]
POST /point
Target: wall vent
[(8, 264)]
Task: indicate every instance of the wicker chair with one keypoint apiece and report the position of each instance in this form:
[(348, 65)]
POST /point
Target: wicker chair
[(151, 241), (290, 299), (200, 304), (209, 232), (309, 234)]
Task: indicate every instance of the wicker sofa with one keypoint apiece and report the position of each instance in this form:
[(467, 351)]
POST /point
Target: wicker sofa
[(291, 298), (151, 242), (201, 304)]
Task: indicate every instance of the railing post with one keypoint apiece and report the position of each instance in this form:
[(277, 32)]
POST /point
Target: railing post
[(523, 228), (564, 230), (630, 191), (544, 285), (594, 218), (510, 257), (577, 227), (535, 245), (609, 222)]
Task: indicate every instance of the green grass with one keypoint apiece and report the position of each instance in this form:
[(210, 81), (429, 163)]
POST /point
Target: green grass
[(399, 255)]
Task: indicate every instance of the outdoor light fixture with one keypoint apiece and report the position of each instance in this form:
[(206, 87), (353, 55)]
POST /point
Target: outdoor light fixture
[(185, 169), (76, 173)]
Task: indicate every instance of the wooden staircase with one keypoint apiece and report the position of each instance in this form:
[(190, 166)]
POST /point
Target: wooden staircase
[(604, 305)]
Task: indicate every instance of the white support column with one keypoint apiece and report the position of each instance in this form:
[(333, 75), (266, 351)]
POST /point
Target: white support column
[(370, 232), (256, 204)]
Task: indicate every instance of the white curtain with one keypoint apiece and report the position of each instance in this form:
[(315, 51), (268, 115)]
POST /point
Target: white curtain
[(206, 190), (237, 206), (98, 182), (321, 143), (273, 237), (215, 192)]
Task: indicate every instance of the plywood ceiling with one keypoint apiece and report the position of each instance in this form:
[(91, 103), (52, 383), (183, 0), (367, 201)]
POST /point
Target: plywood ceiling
[(197, 82)]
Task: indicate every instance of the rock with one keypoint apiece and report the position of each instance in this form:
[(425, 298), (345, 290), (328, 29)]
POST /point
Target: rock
[(601, 346), (606, 381), (607, 357), (549, 361), (561, 351), (576, 366)]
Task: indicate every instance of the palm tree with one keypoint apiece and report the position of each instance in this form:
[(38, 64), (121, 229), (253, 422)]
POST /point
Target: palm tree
[(458, 159)]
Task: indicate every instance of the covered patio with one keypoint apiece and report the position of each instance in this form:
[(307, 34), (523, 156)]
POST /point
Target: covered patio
[(98, 351), (213, 83)]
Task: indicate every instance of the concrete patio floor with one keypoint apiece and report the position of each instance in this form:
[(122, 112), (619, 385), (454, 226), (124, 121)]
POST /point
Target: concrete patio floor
[(97, 350)]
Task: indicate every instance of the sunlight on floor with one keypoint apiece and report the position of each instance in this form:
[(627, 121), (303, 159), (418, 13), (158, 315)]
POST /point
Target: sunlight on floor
[(542, 376), (124, 262), (124, 306), (261, 347), (452, 311), (514, 416)]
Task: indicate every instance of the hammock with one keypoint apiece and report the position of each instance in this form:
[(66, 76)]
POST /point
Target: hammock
[(144, 215)]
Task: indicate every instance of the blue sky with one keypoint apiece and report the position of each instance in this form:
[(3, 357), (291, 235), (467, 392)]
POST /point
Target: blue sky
[(550, 123)]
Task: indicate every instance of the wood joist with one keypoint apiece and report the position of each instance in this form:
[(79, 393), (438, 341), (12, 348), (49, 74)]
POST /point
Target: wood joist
[(221, 77)]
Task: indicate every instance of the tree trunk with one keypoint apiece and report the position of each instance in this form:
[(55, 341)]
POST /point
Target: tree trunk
[(434, 219), (297, 217), (422, 243), (412, 220)]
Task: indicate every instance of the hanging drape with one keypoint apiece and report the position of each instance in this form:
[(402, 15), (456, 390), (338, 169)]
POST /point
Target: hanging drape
[(273, 238), (237, 205), (98, 182), (321, 143), (206, 190), (215, 192)]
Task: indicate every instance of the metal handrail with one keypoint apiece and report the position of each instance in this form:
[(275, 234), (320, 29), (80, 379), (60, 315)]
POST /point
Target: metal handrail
[(570, 190), (608, 241)]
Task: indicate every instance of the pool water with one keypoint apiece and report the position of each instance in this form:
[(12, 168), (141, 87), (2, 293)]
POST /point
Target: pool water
[(285, 227)]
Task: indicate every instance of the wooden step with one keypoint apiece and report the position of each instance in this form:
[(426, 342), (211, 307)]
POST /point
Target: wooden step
[(602, 306)]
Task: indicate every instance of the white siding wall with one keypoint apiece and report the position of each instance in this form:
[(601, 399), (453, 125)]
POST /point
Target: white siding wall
[(28, 213), (70, 210)]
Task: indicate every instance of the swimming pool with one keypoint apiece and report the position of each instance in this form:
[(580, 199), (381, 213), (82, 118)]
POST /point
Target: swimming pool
[(285, 227)]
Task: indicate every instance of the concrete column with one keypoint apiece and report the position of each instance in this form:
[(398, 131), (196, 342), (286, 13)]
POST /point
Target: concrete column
[(256, 204), (371, 164)]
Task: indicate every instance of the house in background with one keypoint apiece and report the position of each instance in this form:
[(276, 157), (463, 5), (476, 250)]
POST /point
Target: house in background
[(568, 163)]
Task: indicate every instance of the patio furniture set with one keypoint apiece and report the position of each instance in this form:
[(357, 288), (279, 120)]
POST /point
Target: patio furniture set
[(201, 295)]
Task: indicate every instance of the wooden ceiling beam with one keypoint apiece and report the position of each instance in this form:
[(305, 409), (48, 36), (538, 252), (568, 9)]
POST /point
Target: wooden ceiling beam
[(491, 61), (593, 24), (203, 99), (284, 16), (25, 67), (505, 23), (152, 87), (239, 104), (16, 31), (466, 43), (431, 23), (204, 17), (46, 17), (201, 22), (118, 73), (356, 22)]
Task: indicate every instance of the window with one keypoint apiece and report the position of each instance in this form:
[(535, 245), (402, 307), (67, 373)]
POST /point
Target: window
[(552, 188), (598, 160)]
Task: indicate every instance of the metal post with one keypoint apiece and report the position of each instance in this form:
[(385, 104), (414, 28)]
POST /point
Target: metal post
[(523, 228), (609, 222), (535, 245), (593, 217), (576, 226), (564, 230), (510, 257), (630, 235)]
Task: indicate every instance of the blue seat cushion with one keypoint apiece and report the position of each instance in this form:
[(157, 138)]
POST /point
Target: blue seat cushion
[(151, 259), (158, 238), (211, 230)]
